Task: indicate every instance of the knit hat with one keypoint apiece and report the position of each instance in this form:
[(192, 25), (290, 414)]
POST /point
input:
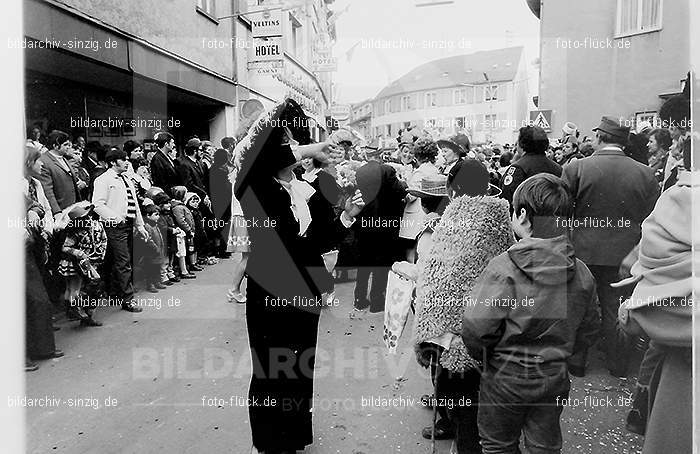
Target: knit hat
[(191, 195)]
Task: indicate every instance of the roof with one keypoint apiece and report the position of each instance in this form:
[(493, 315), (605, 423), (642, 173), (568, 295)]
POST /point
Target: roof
[(500, 65)]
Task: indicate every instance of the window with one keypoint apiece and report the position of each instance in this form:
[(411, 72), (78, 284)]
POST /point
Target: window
[(490, 93), (638, 16), (431, 99), (295, 36), (651, 117), (208, 7), (460, 96), (406, 103), (490, 121), (388, 130), (387, 106)]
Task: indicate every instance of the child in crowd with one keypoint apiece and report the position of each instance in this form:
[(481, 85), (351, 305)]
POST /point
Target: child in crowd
[(185, 221), (154, 251), (169, 231), (200, 240), (82, 252), (531, 310)]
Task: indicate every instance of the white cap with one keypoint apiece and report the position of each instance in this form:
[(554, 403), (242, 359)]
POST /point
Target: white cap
[(642, 125)]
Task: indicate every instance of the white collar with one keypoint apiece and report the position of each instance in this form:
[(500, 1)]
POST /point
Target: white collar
[(312, 175)]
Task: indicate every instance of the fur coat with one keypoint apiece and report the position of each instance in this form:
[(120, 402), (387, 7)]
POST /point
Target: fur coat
[(471, 232)]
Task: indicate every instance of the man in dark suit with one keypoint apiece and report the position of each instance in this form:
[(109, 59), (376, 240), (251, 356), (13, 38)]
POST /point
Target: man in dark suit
[(377, 229), (57, 178), (191, 171), (163, 167), (613, 194), (532, 141)]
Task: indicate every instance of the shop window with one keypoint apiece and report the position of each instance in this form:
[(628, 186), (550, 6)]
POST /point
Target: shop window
[(638, 16)]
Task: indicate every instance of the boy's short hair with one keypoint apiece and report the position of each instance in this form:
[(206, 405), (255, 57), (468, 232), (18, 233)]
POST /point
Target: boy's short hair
[(547, 202), (150, 209)]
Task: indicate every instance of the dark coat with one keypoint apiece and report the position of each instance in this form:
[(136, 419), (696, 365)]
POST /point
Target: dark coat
[(220, 189), (522, 169), (613, 194), (377, 225), (163, 173), (60, 185), (283, 268), (192, 176)]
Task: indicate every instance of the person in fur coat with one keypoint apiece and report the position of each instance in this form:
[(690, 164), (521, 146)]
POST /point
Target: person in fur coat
[(474, 229)]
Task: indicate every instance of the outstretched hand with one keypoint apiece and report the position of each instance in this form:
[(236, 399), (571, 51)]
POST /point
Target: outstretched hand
[(354, 204)]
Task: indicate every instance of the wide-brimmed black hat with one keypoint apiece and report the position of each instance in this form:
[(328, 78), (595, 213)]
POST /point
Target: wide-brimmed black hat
[(456, 149)]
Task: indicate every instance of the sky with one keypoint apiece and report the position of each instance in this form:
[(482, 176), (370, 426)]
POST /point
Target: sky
[(408, 36)]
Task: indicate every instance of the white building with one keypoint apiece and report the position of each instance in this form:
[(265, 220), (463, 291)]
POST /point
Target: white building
[(484, 94)]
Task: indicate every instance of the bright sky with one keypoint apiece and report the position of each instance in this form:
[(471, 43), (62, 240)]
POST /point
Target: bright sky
[(463, 27)]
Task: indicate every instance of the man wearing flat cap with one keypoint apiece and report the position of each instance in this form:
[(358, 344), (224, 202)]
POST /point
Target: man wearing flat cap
[(613, 194)]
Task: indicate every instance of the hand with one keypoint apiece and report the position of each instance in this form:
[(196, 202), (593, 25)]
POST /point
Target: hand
[(405, 269), (81, 185), (427, 353), (33, 220), (354, 204), (142, 231), (207, 201), (336, 153)]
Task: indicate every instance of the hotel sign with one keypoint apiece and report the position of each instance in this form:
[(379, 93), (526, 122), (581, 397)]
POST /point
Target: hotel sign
[(266, 49), (324, 63)]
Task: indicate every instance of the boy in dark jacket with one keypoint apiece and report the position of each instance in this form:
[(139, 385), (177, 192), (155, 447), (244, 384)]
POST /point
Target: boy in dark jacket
[(532, 311), (168, 230), (154, 249)]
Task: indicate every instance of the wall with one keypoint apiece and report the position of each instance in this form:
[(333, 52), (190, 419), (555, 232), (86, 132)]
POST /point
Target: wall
[(173, 25), (581, 85)]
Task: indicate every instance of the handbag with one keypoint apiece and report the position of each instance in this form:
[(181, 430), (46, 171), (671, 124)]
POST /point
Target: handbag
[(399, 295)]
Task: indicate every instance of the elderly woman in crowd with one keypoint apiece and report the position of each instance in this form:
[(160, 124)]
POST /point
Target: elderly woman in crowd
[(425, 150), (40, 342), (473, 229)]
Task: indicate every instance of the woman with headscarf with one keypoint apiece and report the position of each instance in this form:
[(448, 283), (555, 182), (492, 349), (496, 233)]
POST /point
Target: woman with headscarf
[(473, 229), (40, 343), (284, 273)]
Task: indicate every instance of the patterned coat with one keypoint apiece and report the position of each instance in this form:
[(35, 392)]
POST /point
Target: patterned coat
[(471, 232)]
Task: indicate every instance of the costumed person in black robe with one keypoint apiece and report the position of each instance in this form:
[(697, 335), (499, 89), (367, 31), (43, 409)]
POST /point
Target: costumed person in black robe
[(284, 273)]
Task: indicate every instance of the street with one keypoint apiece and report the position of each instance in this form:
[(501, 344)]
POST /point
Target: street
[(174, 379)]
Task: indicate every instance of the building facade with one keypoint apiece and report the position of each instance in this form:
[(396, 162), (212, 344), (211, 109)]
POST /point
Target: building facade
[(484, 94), (611, 57), (361, 118), (114, 71)]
